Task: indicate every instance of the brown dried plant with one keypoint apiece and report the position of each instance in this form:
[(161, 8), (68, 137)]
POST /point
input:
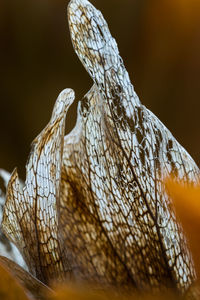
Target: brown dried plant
[(94, 208)]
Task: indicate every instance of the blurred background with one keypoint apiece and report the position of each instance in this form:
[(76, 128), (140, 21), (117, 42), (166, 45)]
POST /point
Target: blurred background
[(159, 41)]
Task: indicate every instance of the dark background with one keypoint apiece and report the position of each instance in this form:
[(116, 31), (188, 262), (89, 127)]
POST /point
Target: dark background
[(158, 40)]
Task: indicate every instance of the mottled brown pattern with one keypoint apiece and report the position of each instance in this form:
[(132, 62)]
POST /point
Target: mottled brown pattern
[(117, 163), (30, 217), (96, 209)]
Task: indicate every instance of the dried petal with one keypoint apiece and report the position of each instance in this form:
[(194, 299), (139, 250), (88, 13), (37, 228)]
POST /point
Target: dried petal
[(30, 215), (115, 211)]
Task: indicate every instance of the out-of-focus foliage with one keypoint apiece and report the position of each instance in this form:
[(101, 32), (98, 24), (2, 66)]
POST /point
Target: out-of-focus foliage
[(16, 282), (91, 293), (187, 204), (9, 287)]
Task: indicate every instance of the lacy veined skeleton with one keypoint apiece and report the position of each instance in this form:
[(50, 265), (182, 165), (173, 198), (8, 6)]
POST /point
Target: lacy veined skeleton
[(94, 205)]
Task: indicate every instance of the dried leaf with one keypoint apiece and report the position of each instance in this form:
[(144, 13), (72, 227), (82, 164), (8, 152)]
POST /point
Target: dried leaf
[(7, 248), (115, 212), (30, 215), (100, 212)]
